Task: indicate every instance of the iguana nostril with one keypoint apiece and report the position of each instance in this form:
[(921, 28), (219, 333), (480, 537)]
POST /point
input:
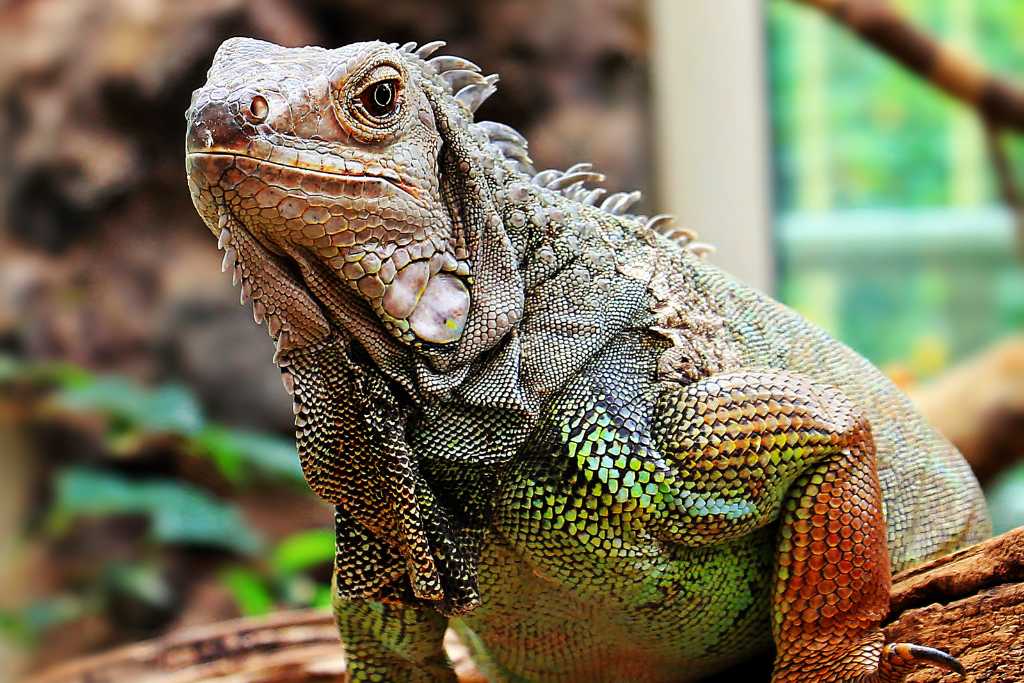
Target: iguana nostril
[(258, 109)]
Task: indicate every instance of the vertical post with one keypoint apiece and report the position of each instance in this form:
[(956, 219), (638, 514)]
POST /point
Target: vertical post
[(711, 129)]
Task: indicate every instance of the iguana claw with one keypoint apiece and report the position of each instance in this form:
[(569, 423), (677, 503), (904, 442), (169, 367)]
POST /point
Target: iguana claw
[(898, 659)]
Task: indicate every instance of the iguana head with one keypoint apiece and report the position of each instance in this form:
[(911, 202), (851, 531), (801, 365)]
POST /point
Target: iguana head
[(354, 164)]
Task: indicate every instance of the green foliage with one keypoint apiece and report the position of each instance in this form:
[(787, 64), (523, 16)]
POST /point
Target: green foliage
[(13, 370), (27, 625), (240, 453), (134, 413), (864, 132), (166, 409), (1005, 498), (178, 512), (860, 141), (302, 551), (283, 579), (143, 584), (249, 589)]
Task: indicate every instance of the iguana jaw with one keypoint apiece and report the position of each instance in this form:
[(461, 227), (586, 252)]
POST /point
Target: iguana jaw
[(417, 285)]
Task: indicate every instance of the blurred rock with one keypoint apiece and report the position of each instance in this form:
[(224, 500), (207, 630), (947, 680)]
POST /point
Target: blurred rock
[(979, 406), (209, 345)]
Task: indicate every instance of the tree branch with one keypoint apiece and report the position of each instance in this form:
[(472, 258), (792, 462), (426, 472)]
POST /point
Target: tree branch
[(1008, 187), (998, 100)]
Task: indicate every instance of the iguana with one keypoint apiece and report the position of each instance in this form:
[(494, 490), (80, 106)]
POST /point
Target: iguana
[(543, 420)]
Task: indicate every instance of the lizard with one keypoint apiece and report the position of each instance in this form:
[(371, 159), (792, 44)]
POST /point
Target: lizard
[(544, 421)]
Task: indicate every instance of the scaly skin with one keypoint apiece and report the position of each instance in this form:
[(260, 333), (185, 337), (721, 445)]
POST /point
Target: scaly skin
[(607, 458)]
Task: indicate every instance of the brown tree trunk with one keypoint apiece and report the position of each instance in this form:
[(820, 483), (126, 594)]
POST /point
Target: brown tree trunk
[(970, 603)]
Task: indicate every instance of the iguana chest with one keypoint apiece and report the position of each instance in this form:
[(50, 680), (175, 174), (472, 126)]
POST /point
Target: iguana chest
[(574, 584)]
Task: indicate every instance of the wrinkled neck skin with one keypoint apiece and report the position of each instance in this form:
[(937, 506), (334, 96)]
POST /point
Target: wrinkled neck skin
[(519, 237), (516, 353)]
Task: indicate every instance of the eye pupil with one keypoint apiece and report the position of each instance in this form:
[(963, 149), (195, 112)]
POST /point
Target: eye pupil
[(382, 95), (380, 99)]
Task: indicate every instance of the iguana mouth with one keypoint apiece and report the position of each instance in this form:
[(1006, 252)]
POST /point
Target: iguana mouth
[(353, 171)]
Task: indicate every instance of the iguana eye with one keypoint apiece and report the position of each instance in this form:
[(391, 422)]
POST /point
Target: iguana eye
[(381, 98)]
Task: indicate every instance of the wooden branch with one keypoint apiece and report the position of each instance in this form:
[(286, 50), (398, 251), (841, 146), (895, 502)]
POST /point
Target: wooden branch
[(1006, 178), (299, 646), (998, 100), (970, 603), (288, 647), (979, 406)]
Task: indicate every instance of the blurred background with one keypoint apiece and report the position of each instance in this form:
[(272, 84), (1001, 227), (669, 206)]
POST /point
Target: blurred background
[(147, 476)]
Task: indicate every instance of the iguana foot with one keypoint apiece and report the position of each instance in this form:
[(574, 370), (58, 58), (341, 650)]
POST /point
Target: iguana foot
[(870, 661)]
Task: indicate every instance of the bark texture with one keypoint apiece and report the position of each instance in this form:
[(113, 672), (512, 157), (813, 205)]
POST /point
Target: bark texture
[(971, 604)]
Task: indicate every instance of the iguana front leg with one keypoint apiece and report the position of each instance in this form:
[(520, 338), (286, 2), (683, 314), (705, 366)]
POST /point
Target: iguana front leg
[(392, 643), (754, 447)]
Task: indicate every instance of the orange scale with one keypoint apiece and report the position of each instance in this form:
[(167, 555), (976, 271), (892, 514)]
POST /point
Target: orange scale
[(809, 615)]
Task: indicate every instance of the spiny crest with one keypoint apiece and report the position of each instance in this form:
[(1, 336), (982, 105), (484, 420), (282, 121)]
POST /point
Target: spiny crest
[(572, 182), (463, 77), (471, 88)]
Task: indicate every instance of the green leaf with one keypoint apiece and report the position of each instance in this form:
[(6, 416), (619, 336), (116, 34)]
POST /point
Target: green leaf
[(13, 369), (26, 625), (323, 596), (299, 591), (10, 369), (166, 409), (249, 591), (238, 453), (144, 583), (303, 550), (178, 512)]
